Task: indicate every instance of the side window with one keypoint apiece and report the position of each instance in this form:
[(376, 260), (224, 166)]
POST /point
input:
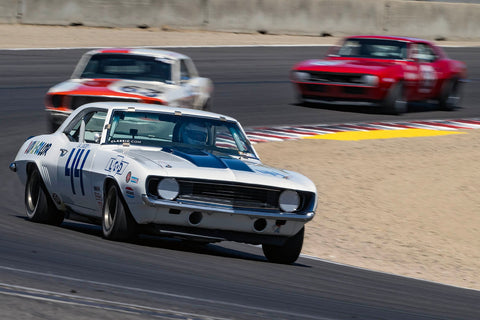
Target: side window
[(425, 53), (184, 72), (73, 132), (94, 122)]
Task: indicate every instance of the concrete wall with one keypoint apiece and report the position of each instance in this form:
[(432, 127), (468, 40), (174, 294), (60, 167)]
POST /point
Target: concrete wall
[(8, 11), (425, 19), (114, 13), (433, 20), (313, 17)]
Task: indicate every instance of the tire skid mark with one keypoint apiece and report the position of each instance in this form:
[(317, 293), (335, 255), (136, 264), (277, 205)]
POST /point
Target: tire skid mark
[(58, 297)]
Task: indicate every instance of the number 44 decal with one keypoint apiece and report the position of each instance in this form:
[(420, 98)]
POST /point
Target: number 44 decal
[(74, 167)]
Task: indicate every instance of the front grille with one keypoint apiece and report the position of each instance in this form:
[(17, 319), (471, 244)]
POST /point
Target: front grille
[(336, 78), (316, 87), (235, 195), (78, 101), (354, 90), (230, 195)]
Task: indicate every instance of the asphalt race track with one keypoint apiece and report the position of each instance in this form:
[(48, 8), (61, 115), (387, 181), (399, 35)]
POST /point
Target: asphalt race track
[(70, 272)]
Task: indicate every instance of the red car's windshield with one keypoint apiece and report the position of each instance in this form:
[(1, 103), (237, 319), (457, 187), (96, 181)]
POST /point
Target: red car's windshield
[(373, 48)]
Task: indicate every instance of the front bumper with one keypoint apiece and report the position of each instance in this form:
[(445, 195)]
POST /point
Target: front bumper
[(207, 218), (344, 93), (184, 205)]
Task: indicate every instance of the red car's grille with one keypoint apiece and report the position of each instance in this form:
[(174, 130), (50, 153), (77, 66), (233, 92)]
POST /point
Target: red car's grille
[(336, 78)]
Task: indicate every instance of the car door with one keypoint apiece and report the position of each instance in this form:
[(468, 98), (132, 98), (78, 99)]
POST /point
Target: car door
[(428, 71), (75, 162), (187, 81)]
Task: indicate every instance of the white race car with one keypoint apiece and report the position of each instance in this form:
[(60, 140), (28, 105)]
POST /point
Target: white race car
[(129, 75), (137, 168)]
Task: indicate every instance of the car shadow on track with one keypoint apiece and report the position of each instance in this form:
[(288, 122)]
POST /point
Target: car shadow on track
[(153, 241), (413, 107)]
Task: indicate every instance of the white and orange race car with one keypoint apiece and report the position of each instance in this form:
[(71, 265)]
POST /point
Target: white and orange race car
[(129, 75)]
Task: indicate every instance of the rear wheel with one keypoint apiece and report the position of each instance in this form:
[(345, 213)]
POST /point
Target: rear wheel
[(117, 222), (395, 101), (288, 252), (39, 206), (450, 96)]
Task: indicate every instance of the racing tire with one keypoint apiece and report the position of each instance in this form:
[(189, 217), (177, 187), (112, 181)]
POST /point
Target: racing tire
[(395, 102), (450, 97), (117, 222), (300, 101), (39, 206), (287, 253)]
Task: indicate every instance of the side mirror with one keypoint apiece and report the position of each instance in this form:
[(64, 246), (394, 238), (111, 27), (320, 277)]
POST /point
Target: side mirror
[(97, 137), (333, 51)]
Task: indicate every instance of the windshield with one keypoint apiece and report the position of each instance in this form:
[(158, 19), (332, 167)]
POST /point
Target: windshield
[(128, 66), (373, 48), (178, 131)]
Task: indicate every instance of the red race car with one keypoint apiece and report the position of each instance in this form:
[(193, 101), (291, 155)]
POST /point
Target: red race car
[(381, 70)]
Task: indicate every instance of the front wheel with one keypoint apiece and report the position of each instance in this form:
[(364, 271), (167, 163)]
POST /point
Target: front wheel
[(39, 206), (117, 222), (450, 96), (395, 101), (288, 252)]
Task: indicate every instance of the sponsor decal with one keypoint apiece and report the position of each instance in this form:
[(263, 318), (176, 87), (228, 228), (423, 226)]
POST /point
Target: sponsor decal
[(116, 165), (38, 148), (63, 152), (144, 89), (129, 175), (98, 196), (134, 180), (129, 192), (56, 198), (428, 78), (74, 167)]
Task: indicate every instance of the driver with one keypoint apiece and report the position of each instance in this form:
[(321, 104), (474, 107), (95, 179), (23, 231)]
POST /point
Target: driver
[(195, 134)]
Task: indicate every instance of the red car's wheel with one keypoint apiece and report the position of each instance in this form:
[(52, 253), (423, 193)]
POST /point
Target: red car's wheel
[(450, 96), (395, 101)]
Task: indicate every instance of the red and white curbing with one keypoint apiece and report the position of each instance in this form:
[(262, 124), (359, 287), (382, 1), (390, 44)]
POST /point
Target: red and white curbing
[(266, 134)]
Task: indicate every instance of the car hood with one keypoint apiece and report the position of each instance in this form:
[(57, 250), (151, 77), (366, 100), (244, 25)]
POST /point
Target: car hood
[(370, 66), (113, 88), (201, 164)]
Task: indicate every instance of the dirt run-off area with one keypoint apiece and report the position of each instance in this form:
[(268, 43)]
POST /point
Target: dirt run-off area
[(407, 206)]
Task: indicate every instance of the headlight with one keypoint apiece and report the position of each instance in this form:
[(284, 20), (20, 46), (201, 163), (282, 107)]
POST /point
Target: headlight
[(301, 76), (370, 80), (289, 201), (168, 188)]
